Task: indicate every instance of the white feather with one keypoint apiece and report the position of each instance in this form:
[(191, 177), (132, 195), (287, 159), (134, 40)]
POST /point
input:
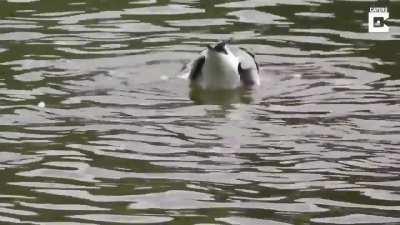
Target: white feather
[(220, 71), (216, 69)]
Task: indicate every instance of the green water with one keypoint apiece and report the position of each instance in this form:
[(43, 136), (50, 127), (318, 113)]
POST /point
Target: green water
[(98, 124)]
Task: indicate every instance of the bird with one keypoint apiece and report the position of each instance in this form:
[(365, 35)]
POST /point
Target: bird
[(224, 67)]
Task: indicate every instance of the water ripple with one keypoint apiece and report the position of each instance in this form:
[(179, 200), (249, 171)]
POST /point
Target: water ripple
[(99, 126)]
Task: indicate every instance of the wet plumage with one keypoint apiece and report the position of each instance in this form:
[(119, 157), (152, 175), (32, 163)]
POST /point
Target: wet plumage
[(224, 67)]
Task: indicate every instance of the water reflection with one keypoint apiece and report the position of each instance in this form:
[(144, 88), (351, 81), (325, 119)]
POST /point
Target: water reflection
[(221, 97), (123, 139)]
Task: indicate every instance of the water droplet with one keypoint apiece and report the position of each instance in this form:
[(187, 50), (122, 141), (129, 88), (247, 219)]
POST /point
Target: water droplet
[(42, 104)]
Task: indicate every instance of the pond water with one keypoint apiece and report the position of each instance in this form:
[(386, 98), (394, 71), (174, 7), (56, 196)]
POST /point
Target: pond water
[(99, 126)]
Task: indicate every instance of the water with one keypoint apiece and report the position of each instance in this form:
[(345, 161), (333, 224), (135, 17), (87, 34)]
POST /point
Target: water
[(97, 125)]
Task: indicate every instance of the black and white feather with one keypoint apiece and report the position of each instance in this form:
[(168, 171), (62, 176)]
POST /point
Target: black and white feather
[(224, 67)]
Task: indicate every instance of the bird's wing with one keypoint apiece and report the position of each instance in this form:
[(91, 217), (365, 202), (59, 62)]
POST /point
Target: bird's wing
[(246, 58), (248, 67), (248, 76), (197, 65)]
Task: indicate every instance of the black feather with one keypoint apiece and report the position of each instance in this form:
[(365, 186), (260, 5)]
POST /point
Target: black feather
[(253, 56), (220, 47), (196, 68)]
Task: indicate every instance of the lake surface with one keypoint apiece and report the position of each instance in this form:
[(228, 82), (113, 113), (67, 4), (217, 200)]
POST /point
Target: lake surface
[(98, 124)]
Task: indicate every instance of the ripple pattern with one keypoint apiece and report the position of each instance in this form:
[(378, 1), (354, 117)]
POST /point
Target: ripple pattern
[(120, 141)]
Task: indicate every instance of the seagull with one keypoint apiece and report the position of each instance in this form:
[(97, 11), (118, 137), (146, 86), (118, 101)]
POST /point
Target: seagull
[(224, 67)]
